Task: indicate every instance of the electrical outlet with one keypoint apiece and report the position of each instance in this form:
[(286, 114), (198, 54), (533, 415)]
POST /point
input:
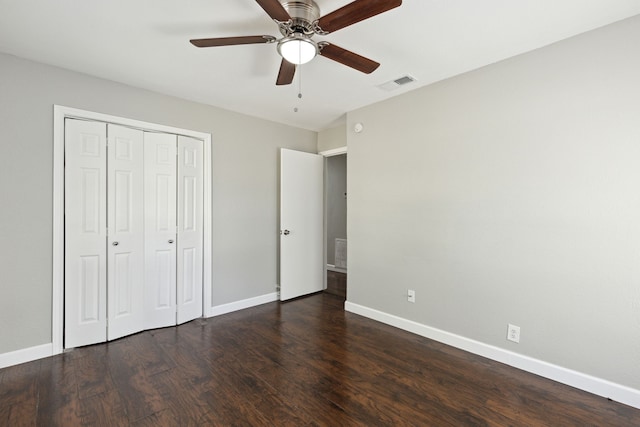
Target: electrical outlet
[(411, 295), (513, 333)]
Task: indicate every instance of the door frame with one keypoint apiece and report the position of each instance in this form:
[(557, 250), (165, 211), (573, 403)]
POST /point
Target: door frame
[(60, 113), (328, 153)]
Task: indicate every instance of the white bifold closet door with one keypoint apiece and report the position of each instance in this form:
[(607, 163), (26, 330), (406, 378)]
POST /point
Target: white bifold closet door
[(104, 234), (190, 226), (133, 231), (125, 232), (160, 229), (174, 228), (85, 193)]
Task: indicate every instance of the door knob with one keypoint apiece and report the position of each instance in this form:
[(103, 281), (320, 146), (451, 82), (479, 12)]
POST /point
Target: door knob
[(170, 241), (286, 232), (115, 243)]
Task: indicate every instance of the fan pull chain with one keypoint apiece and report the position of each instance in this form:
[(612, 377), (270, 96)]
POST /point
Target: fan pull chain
[(299, 72)]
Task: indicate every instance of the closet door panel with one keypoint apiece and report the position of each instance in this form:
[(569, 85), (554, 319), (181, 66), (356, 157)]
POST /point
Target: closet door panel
[(160, 229), (125, 216), (190, 228), (85, 233)]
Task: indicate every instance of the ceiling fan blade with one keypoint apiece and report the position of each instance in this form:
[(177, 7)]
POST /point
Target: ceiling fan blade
[(287, 71), (231, 41), (356, 11), (274, 9), (348, 58)]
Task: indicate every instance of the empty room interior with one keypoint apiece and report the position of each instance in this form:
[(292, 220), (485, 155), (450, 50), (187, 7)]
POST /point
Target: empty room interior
[(431, 219)]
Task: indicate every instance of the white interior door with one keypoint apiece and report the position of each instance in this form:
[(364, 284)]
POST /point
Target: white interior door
[(85, 295), (134, 224), (190, 228), (160, 229), (125, 222), (301, 223)]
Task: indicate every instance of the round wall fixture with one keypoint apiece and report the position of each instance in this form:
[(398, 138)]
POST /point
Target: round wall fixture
[(358, 128)]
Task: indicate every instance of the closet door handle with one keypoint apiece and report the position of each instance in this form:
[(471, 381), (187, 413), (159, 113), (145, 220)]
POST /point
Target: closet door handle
[(170, 241), (115, 243)]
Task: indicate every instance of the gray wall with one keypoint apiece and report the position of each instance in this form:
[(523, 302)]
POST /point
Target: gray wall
[(332, 138), (245, 187), (510, 194), (336, 203)]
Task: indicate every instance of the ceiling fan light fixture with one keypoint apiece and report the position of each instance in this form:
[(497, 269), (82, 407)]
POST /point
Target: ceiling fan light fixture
[(297, 49)]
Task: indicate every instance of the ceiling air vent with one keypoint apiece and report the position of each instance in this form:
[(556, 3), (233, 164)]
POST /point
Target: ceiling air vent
[(395, 84)]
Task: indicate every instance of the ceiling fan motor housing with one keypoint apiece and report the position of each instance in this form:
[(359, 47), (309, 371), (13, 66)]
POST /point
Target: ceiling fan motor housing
[(303, 14)]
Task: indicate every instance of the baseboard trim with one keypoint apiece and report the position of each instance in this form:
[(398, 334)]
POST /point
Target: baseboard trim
[(26, 355), (45, 350), (242, 304), (579, 380), (331, 267)]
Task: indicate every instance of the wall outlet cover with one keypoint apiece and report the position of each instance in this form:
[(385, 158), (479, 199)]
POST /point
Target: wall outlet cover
[(513, 333), (411, 295)]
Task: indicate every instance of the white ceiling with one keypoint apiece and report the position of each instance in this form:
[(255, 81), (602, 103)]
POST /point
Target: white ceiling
[(145, 43)]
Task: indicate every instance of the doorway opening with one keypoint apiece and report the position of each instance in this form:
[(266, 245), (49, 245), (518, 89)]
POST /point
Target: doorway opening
[(336, 224)]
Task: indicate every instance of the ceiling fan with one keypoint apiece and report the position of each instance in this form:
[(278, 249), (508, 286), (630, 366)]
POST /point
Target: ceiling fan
[(298, 21)]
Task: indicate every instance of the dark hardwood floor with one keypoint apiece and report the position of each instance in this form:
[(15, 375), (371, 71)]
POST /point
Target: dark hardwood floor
[(301, 363), (337, 284)]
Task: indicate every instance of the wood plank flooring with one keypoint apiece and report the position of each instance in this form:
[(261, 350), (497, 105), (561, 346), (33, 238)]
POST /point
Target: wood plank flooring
[(337, 283), (301, 363)]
